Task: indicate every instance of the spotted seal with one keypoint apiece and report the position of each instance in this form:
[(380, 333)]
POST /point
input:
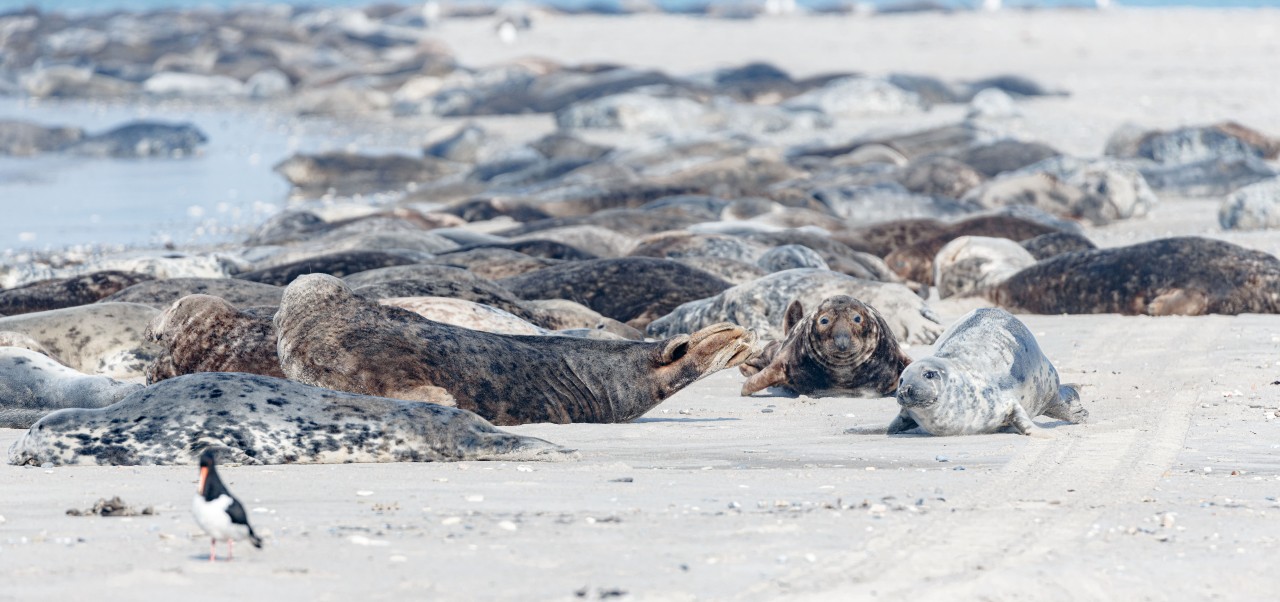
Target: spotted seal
[(160, 294), (844, 347), (338, 264), (974, 263), (32, 385), (635, 290), (100, 338), (66, 292), (1187, 276), (761, 305), (332, 338), (265, 420), (986, 373), (201, 333), (1056, 243)]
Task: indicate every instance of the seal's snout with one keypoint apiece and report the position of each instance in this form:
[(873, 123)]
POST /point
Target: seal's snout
[(904, 390), (843, 341)]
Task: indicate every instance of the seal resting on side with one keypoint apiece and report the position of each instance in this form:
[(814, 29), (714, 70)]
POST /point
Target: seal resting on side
[(202, 333), (843, 348), (32, 385), (264, 420), (986, 373), (1183, 276), (331, 338)]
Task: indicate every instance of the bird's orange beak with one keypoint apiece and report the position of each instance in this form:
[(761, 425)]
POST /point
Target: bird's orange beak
[(204, 474)]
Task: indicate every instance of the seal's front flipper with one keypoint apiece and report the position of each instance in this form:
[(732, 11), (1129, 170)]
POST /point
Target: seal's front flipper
[(771, 375), (903, 423), (1020, 421)]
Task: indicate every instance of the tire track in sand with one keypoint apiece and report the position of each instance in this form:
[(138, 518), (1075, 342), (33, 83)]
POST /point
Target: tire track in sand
[(1047, 497)]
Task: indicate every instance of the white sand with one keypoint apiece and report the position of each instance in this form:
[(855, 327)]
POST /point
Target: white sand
[(728, 501)]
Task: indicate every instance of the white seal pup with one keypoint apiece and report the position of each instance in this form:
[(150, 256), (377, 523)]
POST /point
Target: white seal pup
[(32, 385), (986, 373), (266, 420)]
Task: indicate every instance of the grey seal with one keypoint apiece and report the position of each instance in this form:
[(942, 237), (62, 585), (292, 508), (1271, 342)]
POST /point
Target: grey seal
[(986, 373), (32, 385), (265, 420)]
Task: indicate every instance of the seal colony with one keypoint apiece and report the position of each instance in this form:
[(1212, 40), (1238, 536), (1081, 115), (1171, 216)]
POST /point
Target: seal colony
[(564, 279)]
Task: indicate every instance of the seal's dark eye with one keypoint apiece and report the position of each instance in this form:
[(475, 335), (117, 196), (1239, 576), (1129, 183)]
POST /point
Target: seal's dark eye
[(824, 320), (857, 319), (930, 374)]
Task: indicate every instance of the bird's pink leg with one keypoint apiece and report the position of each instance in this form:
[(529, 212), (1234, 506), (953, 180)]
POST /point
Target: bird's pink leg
[(212, 543), (231, 548)]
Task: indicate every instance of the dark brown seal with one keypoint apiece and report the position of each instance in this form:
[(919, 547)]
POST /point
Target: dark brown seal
[(635, 290), (886, 237), (201, 333), (915, 262), (1171, 276), (1056, 243), (160, 294), (66, 292), (328, 337), (843, 348), (335, 264)]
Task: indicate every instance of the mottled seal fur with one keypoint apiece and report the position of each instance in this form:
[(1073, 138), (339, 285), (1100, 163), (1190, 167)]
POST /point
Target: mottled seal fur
[(562, 314), (761, 305), (160, 294), (467, 314), (264, 420), (495, 264), (974, 263), (986, 373), (788, 257), (331, 338), (201, 333), (1171, 276), (844, 347), (65, 292), (337, 264), (886, 237), (32, 385), (635, 290), (100, 338), (915, 262), (1056, 243)]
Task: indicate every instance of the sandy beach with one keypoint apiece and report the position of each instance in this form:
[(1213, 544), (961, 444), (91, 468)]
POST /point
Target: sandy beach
[(1170, 492)]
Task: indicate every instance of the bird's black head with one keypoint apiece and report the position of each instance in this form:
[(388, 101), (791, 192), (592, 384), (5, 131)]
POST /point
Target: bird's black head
[(208, 458)]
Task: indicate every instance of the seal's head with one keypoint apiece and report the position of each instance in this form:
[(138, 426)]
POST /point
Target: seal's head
[(844, 331), (923, 382), (183, 313)]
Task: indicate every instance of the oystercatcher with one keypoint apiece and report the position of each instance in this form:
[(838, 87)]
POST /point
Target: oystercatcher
[(217, 511)]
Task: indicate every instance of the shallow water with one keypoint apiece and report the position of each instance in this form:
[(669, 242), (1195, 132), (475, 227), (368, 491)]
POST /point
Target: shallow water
[(54, 201)]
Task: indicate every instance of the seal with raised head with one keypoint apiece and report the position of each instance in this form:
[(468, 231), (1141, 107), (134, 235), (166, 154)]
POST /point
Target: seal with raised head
[(32, 385), (986, 373), (844, 348), (201, 333), (1182, 276), (331, 338), (265, 420)]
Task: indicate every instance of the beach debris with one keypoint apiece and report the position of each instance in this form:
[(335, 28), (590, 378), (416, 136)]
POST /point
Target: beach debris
[(111, 507)]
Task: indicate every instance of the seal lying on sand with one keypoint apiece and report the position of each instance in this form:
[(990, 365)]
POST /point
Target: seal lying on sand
[(160, 294), (101, 338), (986, 373), (1187, 276), (264, 420), (331, 338), (760, 305), (66, 292), (635, 290), (843, 348), (32, 385), (200, 333)]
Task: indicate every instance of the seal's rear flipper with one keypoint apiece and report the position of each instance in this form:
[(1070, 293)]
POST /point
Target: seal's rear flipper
[(1068, 406)]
